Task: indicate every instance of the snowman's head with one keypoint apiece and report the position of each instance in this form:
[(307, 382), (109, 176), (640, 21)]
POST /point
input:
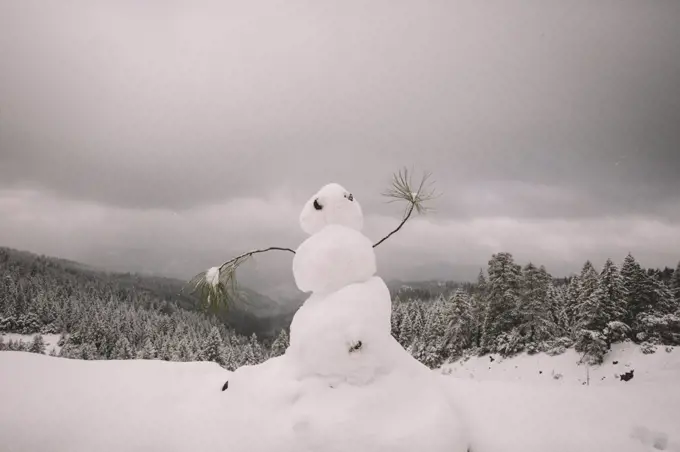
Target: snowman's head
[(331, 205)]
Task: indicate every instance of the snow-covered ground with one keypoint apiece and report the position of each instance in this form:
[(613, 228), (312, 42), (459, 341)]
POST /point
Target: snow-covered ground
[(49, 339), (661, 366), (539, 402), (56, 404)]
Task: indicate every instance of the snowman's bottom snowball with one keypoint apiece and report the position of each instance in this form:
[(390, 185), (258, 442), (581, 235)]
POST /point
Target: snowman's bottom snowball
[(397, 412)]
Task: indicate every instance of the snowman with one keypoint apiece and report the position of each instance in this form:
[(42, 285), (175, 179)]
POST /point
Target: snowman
[(345, 383)]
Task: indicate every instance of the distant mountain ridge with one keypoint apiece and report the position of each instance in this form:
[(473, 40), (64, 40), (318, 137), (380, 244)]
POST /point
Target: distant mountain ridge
[(255, 312)]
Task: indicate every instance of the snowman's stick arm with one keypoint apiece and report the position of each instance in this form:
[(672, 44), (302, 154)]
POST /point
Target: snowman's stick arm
[(250, 253), (406, 217)]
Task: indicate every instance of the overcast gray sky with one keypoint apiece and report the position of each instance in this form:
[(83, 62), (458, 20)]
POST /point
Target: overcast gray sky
[(165, 136)]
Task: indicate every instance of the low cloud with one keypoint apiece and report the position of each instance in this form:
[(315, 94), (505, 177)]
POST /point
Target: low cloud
[(182, 243)]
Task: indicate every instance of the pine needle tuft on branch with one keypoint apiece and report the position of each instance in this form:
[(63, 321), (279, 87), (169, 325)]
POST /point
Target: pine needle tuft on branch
[(402, 190)]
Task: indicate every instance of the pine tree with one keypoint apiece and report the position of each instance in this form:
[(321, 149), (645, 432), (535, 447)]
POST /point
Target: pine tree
[(184, 351), (247, 357), (259, 354), (395, 318), (460, 334), (280, 344), (533, 309), (478, 306), (227, 358), (122, 349), (477, 314), (502, 298), (571, 306), (418, 321), (481, 283), (588, 282), (636, 289), (433, 336), (38, 345), (557, 321), (406, 334), (607, 303), (675, 286), (88, 351), (212, 349), (148, 350)]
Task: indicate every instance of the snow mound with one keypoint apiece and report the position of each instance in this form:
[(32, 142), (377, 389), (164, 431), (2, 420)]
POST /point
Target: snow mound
[(61, 405), (56, 404)]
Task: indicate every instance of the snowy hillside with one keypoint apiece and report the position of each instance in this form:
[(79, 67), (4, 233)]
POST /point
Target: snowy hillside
[(564, 369), (61, 405)]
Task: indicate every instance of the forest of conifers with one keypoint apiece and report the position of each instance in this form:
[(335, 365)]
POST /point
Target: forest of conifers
[(508, 310)]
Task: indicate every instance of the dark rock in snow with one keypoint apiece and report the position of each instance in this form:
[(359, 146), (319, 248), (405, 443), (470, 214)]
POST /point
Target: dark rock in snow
[(355, 347), (615, 362), (226, 385), (627, 376)]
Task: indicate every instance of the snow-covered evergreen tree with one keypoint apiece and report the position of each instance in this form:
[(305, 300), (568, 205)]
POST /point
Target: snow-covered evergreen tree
[(478, 306), (532, 310), (280, 344), (148, 350), (636, 288), (592, 345), (88, 351), (418, 319), (460, 330), (212, 349), (406, 333), (557, 321), (571, 306), (37, 345), (675, 286), (259, 353), (433, 336), (122, 349), (184, 351), (502, 299), (396, 317), (607, 303), (587, 284), (247, 357)]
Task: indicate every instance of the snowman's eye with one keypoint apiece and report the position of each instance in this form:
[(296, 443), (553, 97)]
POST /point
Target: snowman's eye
[(317, 206), (350, 197)]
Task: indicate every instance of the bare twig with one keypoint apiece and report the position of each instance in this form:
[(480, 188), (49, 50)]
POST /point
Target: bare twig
[(243, 257), (406, 217)]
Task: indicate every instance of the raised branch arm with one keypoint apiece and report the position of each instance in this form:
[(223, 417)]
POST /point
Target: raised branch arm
[(217, 285), (402, 190)]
